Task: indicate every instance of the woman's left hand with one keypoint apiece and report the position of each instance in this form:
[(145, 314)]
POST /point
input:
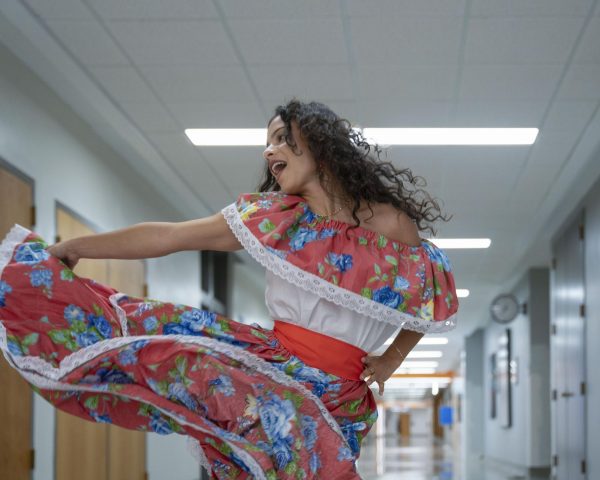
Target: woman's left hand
[(378, 368)]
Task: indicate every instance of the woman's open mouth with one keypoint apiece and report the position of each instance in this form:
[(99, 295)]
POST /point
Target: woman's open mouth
[(277, 167)]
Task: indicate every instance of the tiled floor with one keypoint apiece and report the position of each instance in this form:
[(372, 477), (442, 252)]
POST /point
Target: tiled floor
[(418, 458)]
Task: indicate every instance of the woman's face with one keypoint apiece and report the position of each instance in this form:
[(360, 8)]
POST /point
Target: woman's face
[(294, 173)]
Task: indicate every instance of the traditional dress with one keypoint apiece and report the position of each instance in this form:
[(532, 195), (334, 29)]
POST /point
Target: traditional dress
[(258, 403)]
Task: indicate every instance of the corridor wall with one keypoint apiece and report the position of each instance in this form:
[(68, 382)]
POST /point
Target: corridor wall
[(69, 163)]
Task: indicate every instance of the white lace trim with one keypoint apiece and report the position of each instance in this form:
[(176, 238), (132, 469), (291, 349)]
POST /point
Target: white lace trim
[(324, 289), (197, 452), (114, 299)]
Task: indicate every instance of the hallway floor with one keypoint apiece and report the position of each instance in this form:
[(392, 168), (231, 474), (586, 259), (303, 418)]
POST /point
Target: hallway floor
[(417, 458)]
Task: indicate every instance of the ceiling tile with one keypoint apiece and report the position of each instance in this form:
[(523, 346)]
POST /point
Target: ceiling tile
[(290, 42), (589, 48), (406, 41), (581, 82), (204, 114), (552, 148), (279, 9), (535, 8), (150, 117), (123, 84), (60, 9), (88, 42), (431, 83), (174, 42), (154, 9), (521, 40), (197, 83), (395, 112), (506, 113), (569, 115), (497, 82), (309, 82), (406, 8)]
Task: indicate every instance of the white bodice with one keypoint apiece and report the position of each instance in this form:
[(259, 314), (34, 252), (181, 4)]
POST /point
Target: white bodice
[(290, 303)]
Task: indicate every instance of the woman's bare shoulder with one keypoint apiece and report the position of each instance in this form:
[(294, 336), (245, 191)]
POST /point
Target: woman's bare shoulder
[(391, 222)]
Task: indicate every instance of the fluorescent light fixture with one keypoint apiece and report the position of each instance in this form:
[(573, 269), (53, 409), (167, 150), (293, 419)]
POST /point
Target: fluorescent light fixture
[(461, 242), (433, 341), (383, 136), (424, 341), (462, 292), (435, 388), (424, 354), (416, 371), (451, 136), (419, 364), (227, 136)]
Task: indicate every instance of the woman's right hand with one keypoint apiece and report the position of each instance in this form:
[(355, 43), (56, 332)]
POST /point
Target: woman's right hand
[(64, 252)]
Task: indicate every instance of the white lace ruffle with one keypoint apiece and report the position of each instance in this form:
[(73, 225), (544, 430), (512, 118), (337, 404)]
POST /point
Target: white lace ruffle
[(324, 289), (114, 299), (197, 452)]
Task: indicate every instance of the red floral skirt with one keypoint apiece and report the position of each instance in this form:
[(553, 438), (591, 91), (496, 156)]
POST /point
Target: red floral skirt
[(249, 407)]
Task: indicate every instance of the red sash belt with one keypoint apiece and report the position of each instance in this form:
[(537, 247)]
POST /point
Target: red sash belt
[(321, 351)]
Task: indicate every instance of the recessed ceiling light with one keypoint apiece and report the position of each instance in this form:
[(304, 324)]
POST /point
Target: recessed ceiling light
[(451, 136), (227, 136), (424, 341), (462, 292), (382, 136), (424, 354)]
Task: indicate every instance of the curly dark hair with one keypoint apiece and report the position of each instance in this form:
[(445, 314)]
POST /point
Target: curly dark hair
[(343, 153)]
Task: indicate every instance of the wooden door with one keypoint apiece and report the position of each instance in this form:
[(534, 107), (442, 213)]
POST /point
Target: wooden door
[(16, 454), (405, 424), (81, 446), (85, 449), (126, 448)]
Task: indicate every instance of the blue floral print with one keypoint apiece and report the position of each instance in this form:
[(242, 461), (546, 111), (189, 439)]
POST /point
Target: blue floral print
[(160, 425), (31, 253), (100, 418), (309, 431), (41, 277), (196, 320), (301, 238), (150, 324), (349, 430), (73, 313), (177, 391), (387, 296), (344, 453), (100, 324), (327, 233), (401, 283), (87, 338), (437, 255), (315, 462), (223, 385), (341, 262), (4, 289)]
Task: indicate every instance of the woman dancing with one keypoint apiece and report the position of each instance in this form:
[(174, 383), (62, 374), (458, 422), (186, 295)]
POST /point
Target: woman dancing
[(338, 232)]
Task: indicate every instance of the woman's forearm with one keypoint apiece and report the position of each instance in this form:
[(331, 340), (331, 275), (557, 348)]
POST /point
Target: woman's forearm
[(404, 342), (142, 240)]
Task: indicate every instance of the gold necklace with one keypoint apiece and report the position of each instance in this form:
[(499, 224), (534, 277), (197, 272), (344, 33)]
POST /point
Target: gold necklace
[(331, 214)]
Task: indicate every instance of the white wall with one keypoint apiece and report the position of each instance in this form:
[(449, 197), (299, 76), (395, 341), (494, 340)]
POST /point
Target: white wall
[(43, 138), (248, 295), (526, 443)]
